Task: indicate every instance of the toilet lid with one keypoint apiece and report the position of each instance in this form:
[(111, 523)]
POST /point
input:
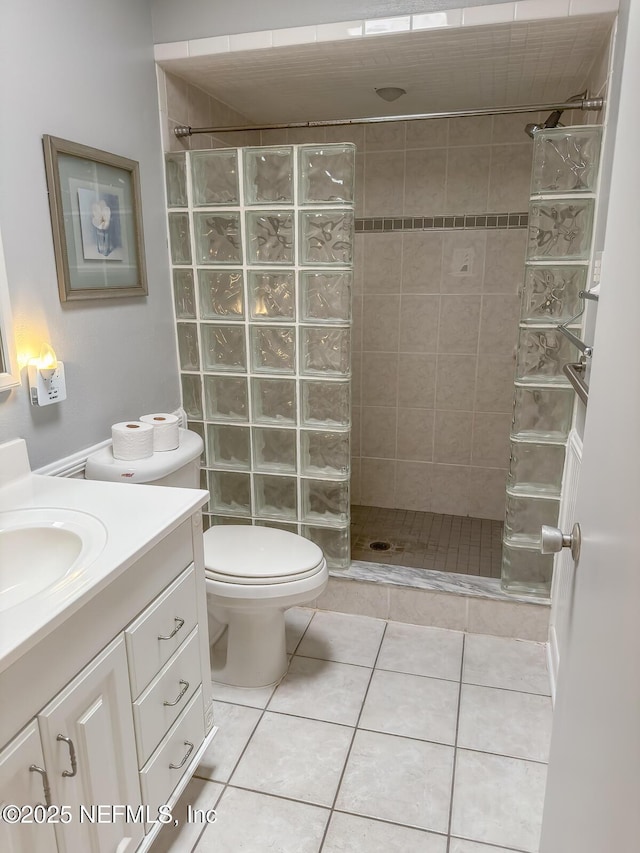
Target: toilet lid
[(244, 554)]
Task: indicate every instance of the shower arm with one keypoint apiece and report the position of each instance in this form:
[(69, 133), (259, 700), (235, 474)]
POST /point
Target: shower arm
[(586, 104)]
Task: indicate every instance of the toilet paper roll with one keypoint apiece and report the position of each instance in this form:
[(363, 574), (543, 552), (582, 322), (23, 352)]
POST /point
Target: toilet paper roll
[(132, 440), (165, 430)]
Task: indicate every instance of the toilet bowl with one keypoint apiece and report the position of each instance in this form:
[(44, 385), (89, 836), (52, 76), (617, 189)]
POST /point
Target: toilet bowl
[(254, 574)]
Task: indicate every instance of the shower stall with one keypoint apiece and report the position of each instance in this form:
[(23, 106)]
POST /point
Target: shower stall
[(350, 326)]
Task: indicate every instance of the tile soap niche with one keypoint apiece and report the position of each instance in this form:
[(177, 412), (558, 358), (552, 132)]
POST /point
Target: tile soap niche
[(261, 243)]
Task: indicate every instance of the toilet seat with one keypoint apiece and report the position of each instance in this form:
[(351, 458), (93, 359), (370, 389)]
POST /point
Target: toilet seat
[(239, 554)]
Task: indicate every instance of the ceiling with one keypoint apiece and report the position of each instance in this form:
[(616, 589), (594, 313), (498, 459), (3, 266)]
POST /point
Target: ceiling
[(463, 68)]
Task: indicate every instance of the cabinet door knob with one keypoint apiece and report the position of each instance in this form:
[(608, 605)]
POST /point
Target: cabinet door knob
[(183, 762), (179, 623), (33, 768), (72, 756), (180, 695)]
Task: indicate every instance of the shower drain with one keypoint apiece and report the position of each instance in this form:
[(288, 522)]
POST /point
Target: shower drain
[(380, 546)]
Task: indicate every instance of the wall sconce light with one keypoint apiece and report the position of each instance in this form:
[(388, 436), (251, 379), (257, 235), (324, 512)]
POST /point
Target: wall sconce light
[(46, 378)]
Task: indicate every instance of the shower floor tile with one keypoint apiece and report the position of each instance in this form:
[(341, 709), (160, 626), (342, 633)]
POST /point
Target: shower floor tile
[(427, 540), (378, 775)]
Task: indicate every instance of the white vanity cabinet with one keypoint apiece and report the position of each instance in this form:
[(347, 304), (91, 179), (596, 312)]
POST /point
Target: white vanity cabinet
[(131, 713), (23, 782), (89, 753)]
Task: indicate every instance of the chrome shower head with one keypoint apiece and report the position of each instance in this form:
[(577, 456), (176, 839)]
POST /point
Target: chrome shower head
[(552, 120)]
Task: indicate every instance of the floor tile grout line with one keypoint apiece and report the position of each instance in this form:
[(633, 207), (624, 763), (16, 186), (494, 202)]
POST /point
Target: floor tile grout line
[(455, 745), (355, 731)]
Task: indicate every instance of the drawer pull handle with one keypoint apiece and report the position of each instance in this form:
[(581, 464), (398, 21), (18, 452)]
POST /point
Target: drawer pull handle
[(184, 760), (180, 695), (179, 623), (33, 768), (72, 756)]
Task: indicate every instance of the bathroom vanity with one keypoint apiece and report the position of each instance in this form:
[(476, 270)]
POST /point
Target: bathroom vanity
[(105, 685)]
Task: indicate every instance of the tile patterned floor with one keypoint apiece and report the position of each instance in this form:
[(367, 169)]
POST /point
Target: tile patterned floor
[(382, 738), (427, 540)]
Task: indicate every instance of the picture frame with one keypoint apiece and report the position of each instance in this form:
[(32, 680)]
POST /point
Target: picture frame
[(96, 219)]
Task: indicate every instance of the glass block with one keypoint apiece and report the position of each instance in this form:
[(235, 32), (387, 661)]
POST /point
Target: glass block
[(327, 174), (274, 400), (326, 501), (326, 403), (221, 294), (551, 293), (334, 542), (188, 346), (536, 468), (230, 492), (560, 229), (218, 238), (289, 527), (325, 454), (326, 297), (541, 355), (273, 349), (226, 398), (272, 296), (229, 446), (191, 395), (184, 294), (325, 351), (525, 516), (198, 428), (274, 449), (326, 237), (176, 177), (214, 177), (268, 175), (270, 236), (526, 571), (542, 412), (565, 160), (223, 347), (276, 497), (217, 520), (179, 238)]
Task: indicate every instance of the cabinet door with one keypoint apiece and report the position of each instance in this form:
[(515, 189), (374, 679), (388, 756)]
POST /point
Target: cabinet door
[(90, 755), (22, 786)]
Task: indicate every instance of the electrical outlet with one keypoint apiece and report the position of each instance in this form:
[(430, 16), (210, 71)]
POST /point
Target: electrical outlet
[(46, 389)]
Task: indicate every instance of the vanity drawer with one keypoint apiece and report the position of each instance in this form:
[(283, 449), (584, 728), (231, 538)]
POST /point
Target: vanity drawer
[(156, 634), (158, 778), (175, 684)]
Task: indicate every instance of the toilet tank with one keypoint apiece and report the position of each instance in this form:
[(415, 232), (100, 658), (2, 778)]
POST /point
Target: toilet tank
[(179, 467)]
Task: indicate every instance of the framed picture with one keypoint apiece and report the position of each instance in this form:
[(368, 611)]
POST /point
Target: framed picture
[(96, 218)]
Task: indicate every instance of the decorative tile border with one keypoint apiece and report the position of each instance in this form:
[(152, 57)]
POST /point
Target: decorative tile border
[(442, 223)]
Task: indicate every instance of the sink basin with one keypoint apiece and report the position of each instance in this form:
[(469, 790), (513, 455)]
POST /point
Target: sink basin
[(45, 549)]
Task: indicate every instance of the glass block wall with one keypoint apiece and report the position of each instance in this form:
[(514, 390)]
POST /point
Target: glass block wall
[(565, 167), (261, 243)]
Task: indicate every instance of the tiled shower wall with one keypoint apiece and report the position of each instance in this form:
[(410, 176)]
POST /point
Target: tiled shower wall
[(436, 313), (433, 344)]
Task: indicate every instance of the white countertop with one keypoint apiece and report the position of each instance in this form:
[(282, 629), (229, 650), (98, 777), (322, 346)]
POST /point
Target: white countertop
[(136, 518)]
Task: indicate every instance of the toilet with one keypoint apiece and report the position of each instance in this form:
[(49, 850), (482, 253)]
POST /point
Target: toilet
[(254, 574)]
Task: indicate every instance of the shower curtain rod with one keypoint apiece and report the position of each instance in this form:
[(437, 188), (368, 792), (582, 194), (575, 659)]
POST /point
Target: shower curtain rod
[(587, 104)]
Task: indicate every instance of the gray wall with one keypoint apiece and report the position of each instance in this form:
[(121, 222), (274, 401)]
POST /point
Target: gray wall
[(85, 72), (176, 20)]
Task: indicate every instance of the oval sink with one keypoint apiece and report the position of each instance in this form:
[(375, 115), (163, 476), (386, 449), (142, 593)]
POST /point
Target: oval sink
[(42, 549)]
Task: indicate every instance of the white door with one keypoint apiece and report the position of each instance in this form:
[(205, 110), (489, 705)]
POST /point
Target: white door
[(22, 785), (593, 791), (90, 754)]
